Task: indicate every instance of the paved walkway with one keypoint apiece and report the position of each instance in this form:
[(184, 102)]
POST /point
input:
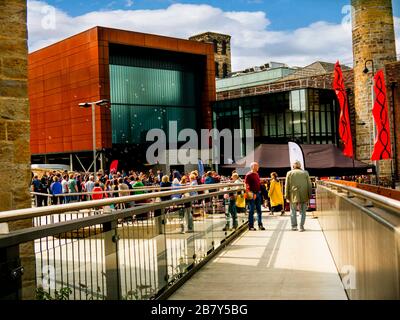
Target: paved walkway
[(274, 264)]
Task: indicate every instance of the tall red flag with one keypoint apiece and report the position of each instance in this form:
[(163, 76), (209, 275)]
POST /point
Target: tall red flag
[(344, 119), (382, 148)]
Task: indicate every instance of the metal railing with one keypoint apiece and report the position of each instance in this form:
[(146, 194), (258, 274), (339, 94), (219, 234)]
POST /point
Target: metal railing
[(85, 196), (370, 199), (362, 230), (137, 251)]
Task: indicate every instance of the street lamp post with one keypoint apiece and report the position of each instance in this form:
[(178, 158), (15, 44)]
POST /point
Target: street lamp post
[(103, 102), (366, 71)]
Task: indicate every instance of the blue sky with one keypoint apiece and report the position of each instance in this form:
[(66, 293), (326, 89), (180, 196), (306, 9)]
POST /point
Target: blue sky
[(284, 14), (295, 32)]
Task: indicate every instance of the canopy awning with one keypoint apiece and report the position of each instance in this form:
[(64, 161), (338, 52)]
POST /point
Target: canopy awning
[(318, 158)]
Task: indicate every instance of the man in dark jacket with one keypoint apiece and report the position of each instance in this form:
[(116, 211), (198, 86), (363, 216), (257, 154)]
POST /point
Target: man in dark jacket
[(253, 186)]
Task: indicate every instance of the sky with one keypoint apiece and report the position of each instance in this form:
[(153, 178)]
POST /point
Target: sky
[(296, 32)]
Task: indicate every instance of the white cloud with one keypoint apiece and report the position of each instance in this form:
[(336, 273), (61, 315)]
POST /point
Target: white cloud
[(252, 42)]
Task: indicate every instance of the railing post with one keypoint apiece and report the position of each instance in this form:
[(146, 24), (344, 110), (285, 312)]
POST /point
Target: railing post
[(10, 274), (159, 217), (113, 283), (162, 265)]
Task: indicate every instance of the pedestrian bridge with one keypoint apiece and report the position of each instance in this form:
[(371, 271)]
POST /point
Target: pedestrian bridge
[(136, 247)]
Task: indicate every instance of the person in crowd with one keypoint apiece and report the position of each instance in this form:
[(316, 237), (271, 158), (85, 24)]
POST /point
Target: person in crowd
[(198, 178), (209, 178), (108, 189), (79, 185), (89, 186), (264, 188), (188, 206), (72, 187), (35, 187), (231, 211), (123, 188), (176, 185), (216, 177), (123, 173), (176, 174), (275, 194), (138, 184), (298, 191), (56, 189), (127, 181), (123, 192), (44, 189), (193, 183), (65, 189), (252, 181), (97, 191), (184, 181), (165, 183), (151, 177), (160, 175)]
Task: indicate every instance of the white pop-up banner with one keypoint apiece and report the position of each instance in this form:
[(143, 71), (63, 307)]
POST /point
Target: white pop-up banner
[(296, 154)]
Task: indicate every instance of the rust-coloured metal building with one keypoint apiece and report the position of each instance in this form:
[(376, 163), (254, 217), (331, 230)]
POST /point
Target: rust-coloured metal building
[(149, 80)]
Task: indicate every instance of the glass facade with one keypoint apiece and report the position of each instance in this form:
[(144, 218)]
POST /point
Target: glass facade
[(148, 89), (307, 116)]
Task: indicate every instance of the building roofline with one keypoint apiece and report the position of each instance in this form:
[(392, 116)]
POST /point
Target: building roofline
[(107, 28), (210, 32), (283, 80), (59, 41)]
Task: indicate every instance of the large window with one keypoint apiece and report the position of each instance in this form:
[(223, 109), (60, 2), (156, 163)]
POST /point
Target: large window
[(322, 116), (223, 50), (148, 89), (306, 115), (215, 42), (224, 70)]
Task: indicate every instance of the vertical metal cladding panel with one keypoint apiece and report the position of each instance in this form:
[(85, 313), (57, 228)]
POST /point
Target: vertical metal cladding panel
[(146, 86), (147, 93), (131, 123)]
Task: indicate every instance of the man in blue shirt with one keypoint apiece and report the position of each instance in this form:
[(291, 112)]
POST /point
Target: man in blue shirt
[(55, 189)]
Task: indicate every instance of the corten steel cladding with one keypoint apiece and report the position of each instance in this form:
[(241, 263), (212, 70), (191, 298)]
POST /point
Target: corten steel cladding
[(382, 148), (77, 69), (344, 119)]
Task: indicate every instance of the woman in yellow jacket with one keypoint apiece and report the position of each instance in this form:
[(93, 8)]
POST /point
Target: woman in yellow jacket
[(275, 194)]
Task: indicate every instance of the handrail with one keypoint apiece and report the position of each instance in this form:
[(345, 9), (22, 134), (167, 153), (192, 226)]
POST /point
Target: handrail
[(148, 188), (20, 214), (32, 233), (387, 203)]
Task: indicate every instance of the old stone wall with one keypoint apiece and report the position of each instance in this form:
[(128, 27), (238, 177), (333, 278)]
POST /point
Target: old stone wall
[(220, 56), (14, 107), (392, 71), (14, 125)]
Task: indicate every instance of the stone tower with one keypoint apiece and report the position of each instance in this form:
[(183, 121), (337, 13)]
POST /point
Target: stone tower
[(373, 39), (14, 139), (222, 51)]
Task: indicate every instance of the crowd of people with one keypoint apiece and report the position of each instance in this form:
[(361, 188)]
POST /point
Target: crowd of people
[(65, 187)]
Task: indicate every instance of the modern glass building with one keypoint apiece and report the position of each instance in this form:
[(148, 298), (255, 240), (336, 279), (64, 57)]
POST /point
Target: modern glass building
[(308, 116)]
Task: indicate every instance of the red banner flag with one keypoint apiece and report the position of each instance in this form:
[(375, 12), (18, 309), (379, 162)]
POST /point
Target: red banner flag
[(114, 166), (344, 119), (382, 148)]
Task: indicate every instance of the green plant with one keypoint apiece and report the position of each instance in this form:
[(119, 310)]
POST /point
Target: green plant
[(90, 295), (62, 294)]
